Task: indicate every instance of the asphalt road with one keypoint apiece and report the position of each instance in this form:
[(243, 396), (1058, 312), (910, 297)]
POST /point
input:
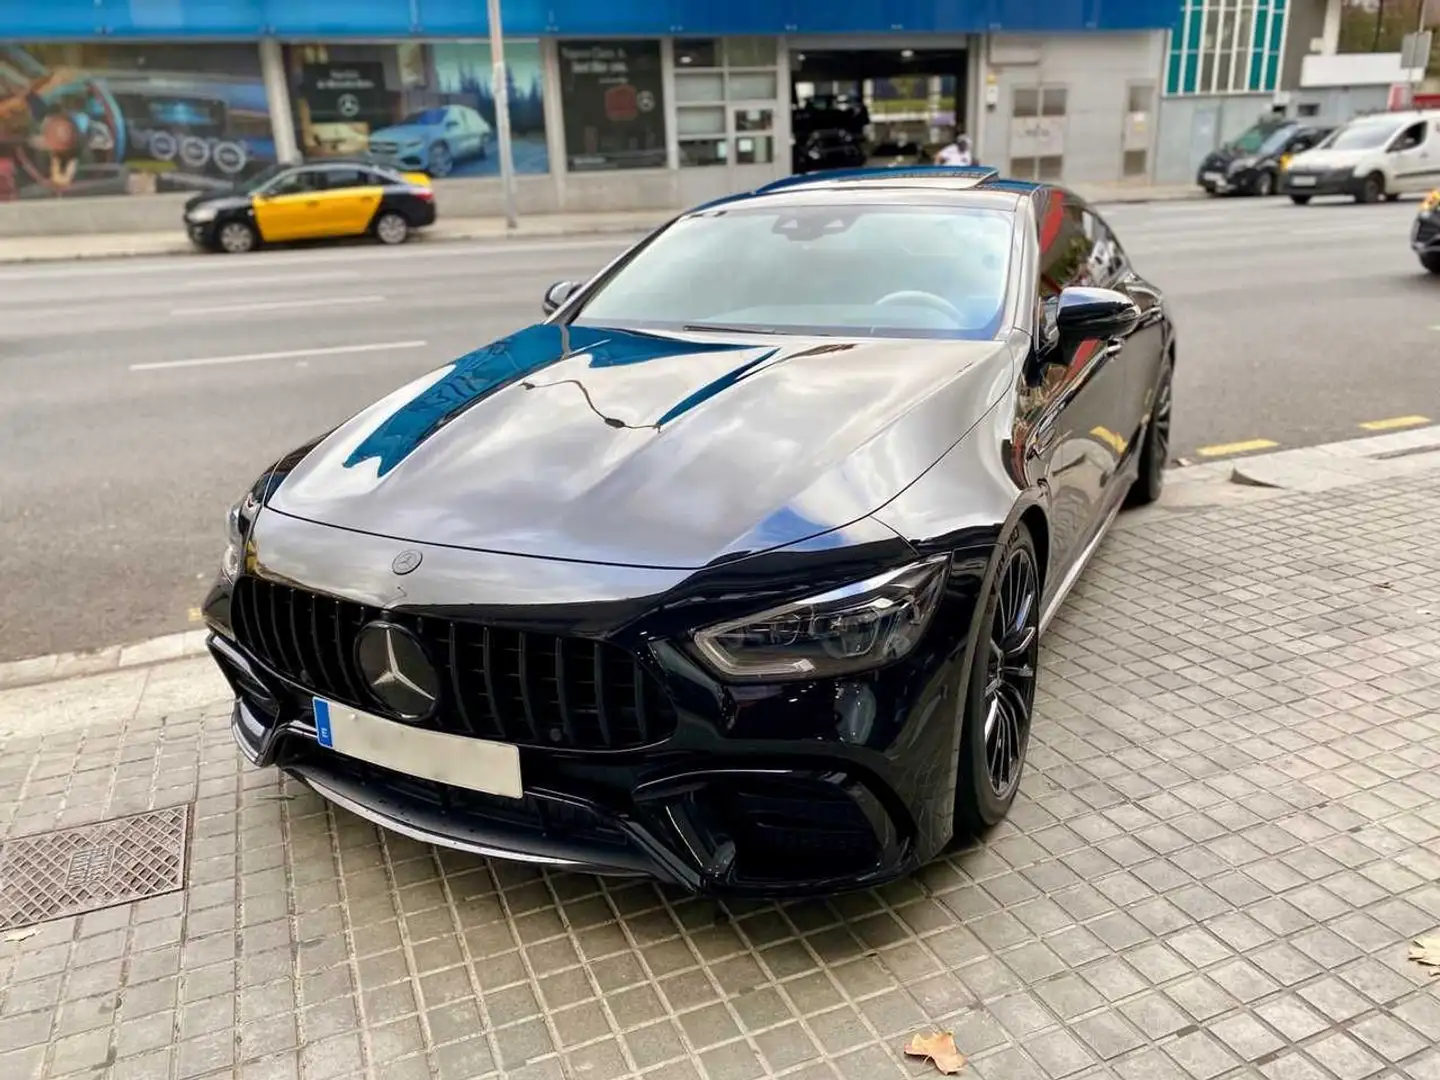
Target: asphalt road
[(139, 397)]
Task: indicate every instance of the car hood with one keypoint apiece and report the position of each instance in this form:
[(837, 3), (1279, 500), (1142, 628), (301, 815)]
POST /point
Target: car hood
[(403, 133), (646, 449), (1322, 160), (215, 198)]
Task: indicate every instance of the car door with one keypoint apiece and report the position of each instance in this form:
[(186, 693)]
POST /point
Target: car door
[(1078, 419), (1141, 352), (350, 199), (289, 207), (1412, 160)]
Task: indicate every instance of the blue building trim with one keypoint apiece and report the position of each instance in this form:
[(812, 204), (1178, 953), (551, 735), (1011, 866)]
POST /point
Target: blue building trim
[(56, 20)]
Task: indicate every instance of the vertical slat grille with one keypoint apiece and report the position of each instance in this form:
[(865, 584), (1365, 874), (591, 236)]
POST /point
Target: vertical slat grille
[(503, 684)]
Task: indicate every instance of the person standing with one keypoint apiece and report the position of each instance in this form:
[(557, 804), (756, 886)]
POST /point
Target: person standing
[(956, 152)]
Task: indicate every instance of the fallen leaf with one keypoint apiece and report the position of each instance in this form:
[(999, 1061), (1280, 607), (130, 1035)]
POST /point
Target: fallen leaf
[(21, 935), (1426, 950), (940, 1049)]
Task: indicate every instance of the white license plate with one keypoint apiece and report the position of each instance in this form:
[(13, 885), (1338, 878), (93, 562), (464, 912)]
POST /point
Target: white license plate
[(473, 764), (1213, 177), (1302, 181)]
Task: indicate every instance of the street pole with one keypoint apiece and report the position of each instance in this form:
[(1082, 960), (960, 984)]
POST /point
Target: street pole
[(500, 91)]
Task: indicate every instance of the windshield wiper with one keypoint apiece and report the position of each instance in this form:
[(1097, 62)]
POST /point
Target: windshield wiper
[(721, 328)]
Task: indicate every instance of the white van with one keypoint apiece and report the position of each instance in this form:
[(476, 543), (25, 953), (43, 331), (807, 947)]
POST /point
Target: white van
[(1371, 158)]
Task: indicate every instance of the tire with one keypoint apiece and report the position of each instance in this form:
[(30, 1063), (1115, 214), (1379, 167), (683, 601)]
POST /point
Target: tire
[(1431, 261), (1373, 190), (237, 238), (1156, 448), (391, 228), (442, 162), (1000, 692), (1265, 185), (1300, 200), (1392, 198)]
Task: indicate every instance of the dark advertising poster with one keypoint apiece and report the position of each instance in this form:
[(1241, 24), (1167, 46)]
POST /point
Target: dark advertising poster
[(340, 93), (117, 119), (613, 103)]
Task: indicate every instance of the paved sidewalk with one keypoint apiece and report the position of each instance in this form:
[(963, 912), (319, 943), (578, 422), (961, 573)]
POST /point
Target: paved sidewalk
[(1228, 835), (532, 226)]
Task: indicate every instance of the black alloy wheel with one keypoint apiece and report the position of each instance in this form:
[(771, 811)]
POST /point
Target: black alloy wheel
[(1431, 261), (1001, 699), (1300, 200), (1373, 190), (1156, 449), (1265, 184)]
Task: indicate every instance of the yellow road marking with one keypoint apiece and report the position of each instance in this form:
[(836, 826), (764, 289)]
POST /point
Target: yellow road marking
[(195, 615), (1395, 422), (1225, 449)]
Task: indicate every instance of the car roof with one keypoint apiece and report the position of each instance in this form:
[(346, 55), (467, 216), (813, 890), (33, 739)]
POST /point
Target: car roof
[(975, 186)]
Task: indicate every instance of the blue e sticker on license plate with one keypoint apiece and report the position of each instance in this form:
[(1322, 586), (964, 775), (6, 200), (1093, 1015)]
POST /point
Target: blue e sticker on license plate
[(323, 734)]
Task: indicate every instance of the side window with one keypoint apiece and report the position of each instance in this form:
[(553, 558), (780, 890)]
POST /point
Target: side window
[(1064, 247), (346, 178), (1411, 137), (295, 183), (1107, 260)]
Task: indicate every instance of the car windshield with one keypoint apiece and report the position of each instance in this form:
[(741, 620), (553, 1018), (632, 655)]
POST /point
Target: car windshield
[(262, 178), (1369, 136), (1253, 138), (426, 117), (1276, 142), (843, 270)]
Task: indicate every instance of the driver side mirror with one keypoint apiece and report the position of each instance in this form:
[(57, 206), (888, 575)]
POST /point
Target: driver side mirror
[(557, 294), (1095, 313)]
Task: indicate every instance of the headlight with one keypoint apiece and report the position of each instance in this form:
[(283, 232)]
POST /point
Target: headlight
[(237, 528), (1241, 163), (840, 632), (201, 214)]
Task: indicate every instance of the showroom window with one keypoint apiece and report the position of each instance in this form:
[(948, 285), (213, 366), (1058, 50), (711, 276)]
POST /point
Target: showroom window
[(1037, 132), (725, 100), (613, 101), (420, 106)]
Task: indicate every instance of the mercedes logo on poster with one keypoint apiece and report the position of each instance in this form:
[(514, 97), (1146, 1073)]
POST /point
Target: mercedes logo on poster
[(613, 104), (341, 93)]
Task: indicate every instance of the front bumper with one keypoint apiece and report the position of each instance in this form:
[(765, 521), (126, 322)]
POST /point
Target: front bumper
[(765, 792), (202, 234), (409, 160), (1220, 181), (1335, 182)]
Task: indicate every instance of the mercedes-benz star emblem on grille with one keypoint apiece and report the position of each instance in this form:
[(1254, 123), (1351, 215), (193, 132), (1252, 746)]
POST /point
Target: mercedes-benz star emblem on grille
[(396, 670), (406, 561)]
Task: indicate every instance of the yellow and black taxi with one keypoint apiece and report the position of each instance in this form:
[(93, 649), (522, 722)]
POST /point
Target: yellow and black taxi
[(317, 201), (1425, 234)]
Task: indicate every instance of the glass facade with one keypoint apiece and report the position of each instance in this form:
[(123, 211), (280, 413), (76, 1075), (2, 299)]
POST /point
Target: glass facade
[(1226, 47)]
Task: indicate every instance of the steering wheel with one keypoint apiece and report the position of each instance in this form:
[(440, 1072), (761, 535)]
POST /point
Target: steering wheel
[(917, 298)]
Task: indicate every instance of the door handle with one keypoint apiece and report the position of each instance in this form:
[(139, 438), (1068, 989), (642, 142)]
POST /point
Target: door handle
[(1114, 347)]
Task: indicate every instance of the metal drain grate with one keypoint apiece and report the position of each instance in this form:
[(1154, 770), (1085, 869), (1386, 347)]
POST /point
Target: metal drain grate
[(72, 871)]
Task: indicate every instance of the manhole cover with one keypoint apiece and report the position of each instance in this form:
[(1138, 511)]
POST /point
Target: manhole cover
[(72, 871)]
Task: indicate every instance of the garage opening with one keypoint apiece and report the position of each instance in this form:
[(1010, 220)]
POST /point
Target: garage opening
[(853, 107)]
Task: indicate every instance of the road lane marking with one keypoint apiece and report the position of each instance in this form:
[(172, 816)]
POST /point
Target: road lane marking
[(1226, 449), (275, 279), (1395, 422), (279, 305), (289, 354)]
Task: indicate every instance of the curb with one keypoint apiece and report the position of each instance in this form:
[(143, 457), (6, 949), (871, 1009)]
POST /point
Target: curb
[(184, 247), (1313, 469)]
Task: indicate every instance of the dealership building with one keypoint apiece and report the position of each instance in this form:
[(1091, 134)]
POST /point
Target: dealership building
[(111, 111)]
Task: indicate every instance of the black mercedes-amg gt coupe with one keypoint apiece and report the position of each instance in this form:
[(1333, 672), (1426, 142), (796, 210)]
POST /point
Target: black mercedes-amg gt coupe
[(733, 570)]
